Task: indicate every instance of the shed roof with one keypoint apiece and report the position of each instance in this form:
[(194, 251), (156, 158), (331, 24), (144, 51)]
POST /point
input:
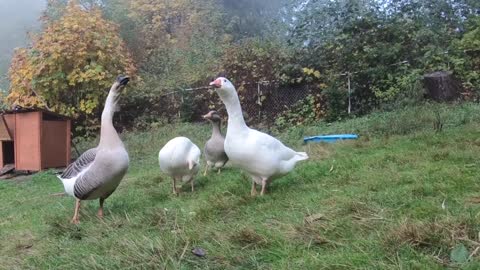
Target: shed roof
[(19, 109)]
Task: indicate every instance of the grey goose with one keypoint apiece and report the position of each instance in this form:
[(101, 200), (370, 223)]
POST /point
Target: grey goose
[(214, 148), (98, 171)]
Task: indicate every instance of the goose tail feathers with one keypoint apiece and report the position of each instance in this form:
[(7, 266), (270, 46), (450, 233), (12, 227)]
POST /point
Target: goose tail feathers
[(59, 176), (68, 184), (191, 164), (301, 156)]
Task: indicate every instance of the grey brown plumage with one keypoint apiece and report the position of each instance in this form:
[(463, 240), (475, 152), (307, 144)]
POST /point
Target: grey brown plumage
[(102, 178), (80, 164), (214, 150)]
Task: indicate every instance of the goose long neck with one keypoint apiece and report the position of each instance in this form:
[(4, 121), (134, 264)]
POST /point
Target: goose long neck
[(234, 110), (108, 134), (216, 128)]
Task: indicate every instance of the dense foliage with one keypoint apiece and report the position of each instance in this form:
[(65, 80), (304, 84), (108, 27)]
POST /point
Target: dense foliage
[(386, 45), (383, 48), (467, 60)]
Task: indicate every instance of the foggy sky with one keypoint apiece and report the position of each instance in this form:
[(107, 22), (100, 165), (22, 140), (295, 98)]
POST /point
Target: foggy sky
[(17, 17)]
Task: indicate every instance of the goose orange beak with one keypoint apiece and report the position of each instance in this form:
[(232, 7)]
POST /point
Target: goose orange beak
[(217, 83)]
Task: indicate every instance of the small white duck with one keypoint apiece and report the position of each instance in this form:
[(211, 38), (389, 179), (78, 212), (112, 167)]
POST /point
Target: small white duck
[(260, 155), (180, 159)]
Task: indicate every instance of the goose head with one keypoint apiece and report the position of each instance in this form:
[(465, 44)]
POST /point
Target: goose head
[(120, 83), (117, 88), (212, 116), (224, 87)]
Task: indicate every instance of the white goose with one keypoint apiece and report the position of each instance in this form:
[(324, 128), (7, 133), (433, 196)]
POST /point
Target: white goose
[(97, 172), (180, 159), (260, 155)]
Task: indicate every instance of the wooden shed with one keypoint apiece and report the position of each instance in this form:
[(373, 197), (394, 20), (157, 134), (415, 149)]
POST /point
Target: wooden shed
[(34, 139)]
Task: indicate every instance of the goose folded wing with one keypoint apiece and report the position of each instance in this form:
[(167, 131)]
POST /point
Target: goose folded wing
[(271, 146), (80, 164), (88, 183)]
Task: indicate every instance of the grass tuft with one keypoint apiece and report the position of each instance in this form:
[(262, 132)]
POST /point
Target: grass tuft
[(248, 238)]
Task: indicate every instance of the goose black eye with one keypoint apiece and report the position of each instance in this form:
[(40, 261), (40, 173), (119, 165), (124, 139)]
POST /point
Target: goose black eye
[(224, 80)]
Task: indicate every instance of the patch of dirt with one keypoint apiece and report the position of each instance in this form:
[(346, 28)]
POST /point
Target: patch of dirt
[(247, 237), (25, 243), (17, 178)]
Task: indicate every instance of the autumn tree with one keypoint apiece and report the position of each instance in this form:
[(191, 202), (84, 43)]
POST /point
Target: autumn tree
[(178, 41), (70, 65)]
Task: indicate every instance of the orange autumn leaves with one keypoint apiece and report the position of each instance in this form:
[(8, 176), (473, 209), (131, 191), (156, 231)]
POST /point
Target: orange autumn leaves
[(71, 65)]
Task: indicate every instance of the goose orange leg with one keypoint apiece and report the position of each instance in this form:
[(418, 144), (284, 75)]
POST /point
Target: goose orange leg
[(175, 190), (100, 209), (264, 186), (192, 183), (253, 192), (206, 169), (76, 219)]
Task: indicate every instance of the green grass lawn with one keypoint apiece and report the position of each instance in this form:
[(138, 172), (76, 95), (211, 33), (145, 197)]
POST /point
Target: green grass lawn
[(401, 197)]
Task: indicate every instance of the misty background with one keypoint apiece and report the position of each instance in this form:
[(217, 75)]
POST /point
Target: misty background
[(18, 18)]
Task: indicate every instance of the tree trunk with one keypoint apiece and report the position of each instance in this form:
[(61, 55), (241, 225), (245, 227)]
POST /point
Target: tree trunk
[(441, 86)]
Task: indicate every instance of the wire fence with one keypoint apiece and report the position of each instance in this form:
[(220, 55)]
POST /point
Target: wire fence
[(262, 103)]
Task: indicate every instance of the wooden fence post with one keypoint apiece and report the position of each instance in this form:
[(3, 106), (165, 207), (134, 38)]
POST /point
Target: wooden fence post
[(349, 93)]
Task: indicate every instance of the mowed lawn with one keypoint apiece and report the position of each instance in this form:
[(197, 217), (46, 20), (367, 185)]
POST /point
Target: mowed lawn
[(403, 196)]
